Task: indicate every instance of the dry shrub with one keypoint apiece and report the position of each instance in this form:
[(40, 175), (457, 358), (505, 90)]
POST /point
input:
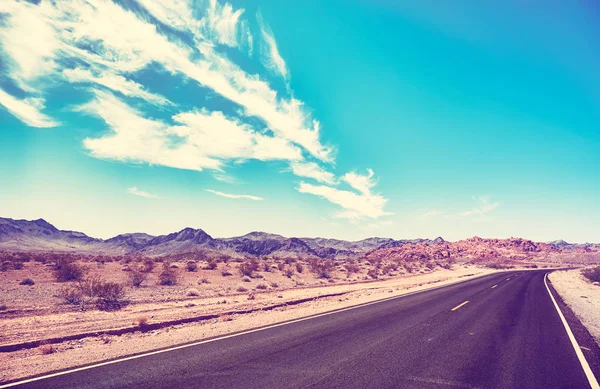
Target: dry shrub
[(266, 267), (141, 321), (191, 266), (241, 289), (17, 265), (299, 267), (288, 271), (246, 279), (168, 275), (6, 265), (192, 293), (280, 266), (137, 276), (248, 267), (225, 273), (372, 273), (261, 286), (592, 274), (3, 307), (147, 265), (107, 296), (321, 268), (351, 268), (212, 265), (27, 281), (251, 296), (274, 285), (67, 270), (46, 349), (226, 318), (71, 295), (203, 280)]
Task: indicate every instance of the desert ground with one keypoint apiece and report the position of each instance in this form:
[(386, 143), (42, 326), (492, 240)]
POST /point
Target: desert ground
[(49, 323)]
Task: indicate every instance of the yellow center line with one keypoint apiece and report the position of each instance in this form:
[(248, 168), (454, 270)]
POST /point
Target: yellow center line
[(459, 305), (494, 286)]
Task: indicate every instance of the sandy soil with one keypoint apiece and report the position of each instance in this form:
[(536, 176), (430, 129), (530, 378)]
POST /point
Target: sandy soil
[(581, 296), (25, 327)]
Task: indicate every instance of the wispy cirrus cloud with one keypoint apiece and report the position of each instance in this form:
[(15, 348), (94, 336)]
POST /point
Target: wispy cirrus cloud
[(107, 48), (27, 110), (235, 196), (361, 203), (270, 53), (430, 214), (484, 206), (137, 192)]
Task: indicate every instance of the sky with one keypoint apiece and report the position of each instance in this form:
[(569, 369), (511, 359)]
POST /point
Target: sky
[(343, 119)]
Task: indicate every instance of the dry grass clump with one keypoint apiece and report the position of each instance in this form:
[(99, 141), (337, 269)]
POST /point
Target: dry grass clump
[(203, 280), (192, 292), (592, 274), (261, 286), (351, 268), (246, 279), (241, 289), (27, 281), (168, 275), (46, 349), (225, 318), (372, 273), (141, 321), (274, 285), (299, 267), (212, 265), (147, 265), (226, 273)]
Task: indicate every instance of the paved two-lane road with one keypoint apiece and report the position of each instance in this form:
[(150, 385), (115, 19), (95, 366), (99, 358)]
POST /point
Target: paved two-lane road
[(497, 331)]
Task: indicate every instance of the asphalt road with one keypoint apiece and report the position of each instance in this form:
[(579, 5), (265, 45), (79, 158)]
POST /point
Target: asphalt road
[(508, 335)]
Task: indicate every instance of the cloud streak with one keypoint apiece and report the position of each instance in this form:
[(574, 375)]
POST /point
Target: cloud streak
[(27, 110), (235, 196), (137, 192)]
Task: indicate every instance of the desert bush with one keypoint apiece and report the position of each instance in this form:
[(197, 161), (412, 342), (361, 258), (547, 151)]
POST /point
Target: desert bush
[(71, 295), (168, 275), (351, 268), (266, 266), (46, 349), (137, 275), (372, 273), (274, 285), (226, 273), (241, 289), (280, 266), (147, 265), (27, 281), (192, 293), (592, 274), (299, 267), (141, 320), (67, 270), (248, 267), (246, 279), (109, 296), (251, 296), (191, 266), (288, 271), (3, 307), (6, 265), (261, 286), (321, 268), (17, 265), (203, 280), (212, 265)]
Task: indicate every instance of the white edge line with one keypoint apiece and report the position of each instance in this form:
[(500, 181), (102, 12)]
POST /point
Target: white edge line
[(147, 354), (586, 367)]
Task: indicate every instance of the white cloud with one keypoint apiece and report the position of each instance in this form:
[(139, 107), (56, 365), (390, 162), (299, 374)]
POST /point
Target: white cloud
[(27, 110), (361, 183), (135, 191), (235, 196), (222, 23), (355, 205), (116, 83), (484, 206), (271, 57), (429, 214), (312, 170), (198, 140)]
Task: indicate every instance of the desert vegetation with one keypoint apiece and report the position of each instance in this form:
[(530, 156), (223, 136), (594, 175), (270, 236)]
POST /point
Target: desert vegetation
[(592, 274)]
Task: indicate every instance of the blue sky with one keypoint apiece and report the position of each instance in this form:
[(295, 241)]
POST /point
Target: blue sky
[(342, 119)]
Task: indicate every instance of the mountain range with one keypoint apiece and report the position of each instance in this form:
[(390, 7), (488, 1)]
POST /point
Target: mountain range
[(39, 235)]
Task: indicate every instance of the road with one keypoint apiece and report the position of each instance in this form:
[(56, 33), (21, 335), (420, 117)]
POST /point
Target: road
[(497, 331)]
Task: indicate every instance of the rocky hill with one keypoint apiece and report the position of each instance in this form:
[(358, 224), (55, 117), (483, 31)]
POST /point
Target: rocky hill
[(39, 235)]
